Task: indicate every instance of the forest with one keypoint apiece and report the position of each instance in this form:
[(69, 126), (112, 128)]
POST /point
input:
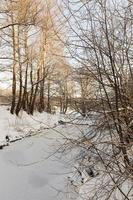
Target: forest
[(66, 99)]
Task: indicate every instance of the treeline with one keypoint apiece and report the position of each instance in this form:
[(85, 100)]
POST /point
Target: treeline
[(30, 31)]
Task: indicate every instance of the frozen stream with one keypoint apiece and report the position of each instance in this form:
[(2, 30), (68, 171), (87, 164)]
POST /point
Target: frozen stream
[(26, 174)]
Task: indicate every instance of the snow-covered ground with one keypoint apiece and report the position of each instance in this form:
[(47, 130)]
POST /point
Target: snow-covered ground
[(37, 168), (27, 174), (14, 126), (29, 169)]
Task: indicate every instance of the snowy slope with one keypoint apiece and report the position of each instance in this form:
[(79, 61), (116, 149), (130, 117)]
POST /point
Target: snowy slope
[(18, 126)]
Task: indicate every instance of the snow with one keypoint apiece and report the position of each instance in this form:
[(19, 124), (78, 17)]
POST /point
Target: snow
[(29, 168), (26, 173), (38, 168), (14, 126)]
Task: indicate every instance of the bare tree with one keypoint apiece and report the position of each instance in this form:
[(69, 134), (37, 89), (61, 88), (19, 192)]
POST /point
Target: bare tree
[(100, 40)]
